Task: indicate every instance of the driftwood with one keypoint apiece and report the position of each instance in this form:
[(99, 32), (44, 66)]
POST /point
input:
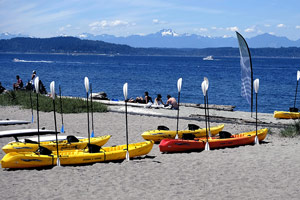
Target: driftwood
[(210, 106)]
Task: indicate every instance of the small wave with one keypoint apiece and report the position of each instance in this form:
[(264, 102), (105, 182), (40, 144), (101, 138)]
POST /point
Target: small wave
[(34, 61)]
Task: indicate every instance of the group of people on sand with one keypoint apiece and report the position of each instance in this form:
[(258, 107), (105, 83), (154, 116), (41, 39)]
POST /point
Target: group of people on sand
[(171, 101), (19, 85)]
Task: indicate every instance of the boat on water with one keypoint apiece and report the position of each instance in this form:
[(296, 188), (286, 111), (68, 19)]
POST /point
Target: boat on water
[(198, 144), (160, 134), (21, 160), (64, 143), (208, 58)]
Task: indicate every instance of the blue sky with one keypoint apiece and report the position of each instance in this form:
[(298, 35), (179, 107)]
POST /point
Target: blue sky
[(47, 18)]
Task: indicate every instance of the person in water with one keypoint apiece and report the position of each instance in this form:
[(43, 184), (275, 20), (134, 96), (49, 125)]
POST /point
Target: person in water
[(19, 84), (158, 100), (172, 102)]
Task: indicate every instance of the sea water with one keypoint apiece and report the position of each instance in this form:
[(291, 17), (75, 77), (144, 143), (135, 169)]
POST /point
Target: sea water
[(159, 75)]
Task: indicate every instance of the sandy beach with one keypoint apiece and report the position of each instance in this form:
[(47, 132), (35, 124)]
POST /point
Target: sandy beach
[(267, 171)]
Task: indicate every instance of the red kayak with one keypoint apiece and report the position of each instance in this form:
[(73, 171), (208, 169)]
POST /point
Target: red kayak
[(179, 145)]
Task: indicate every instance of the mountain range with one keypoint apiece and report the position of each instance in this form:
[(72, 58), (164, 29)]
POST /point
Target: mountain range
[(168, 38)]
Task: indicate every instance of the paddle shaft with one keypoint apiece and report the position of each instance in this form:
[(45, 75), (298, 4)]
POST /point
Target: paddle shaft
[(256, 114), (205, 118), (37, 117), (207, 111), (55, 128), (126, 121), (92, 107), (88, 117), (61, 109), (178, 113), (296, 94)]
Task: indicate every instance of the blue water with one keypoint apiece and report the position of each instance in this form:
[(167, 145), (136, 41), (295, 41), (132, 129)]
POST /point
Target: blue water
[(159, 74)]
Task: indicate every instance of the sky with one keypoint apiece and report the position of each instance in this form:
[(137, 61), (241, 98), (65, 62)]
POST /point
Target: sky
[(213, 18)]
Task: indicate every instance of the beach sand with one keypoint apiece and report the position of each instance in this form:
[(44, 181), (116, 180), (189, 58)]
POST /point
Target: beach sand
[(267, 171)]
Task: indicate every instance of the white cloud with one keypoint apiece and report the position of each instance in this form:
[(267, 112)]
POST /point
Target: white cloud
[(297, 27), (106, 24), (267, 25), (234, 28), (280, 25), (250, 29), (156, 21)]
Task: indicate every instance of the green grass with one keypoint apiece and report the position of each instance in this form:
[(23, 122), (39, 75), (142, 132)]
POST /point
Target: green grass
[(70, 105), (291, 131)]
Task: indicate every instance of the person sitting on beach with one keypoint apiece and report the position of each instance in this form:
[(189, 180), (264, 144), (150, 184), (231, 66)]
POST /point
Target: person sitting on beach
[(172, 102), (19, 84), (158, 100), (148, 98), (2, 89)]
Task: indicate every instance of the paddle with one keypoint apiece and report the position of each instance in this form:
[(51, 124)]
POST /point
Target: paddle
[(86, 84), (207, 84), (256, 87), (204, 89), (62, 130), (179, 83), (31, 107), (52, 90), (91, 91), (37, 89), (298, 77), (125, 92)]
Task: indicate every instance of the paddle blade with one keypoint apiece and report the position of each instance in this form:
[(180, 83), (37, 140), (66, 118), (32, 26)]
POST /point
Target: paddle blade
[(127, 155), (37, 84), (203, 86), (256, 140), (32, 119), (207, 83), (298, 75), (58, 162), (93, 134), (62, 130), (207, 147), (256, 85), (179, 84), (52, 89), (125, 90), (86, 84)]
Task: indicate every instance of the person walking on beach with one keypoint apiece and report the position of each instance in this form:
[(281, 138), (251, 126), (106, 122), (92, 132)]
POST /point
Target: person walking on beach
[(19, 84), (2, 89), (172, 102)]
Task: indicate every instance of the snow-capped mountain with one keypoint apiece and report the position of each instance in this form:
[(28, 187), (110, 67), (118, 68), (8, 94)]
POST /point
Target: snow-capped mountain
[(9, 36)]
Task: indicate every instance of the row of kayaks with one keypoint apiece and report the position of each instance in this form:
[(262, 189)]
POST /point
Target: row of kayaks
[(76, 151)]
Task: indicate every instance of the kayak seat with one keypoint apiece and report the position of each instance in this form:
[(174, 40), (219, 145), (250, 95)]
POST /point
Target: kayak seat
[(188, 136), (193, 127), (94, 148), (43, 151), (162, 128), (72, 138), (293, 109), (224, 134), (30, 141)]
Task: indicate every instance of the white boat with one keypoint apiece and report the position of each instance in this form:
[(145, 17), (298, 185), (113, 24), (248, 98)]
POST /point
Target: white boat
[(208, 58)]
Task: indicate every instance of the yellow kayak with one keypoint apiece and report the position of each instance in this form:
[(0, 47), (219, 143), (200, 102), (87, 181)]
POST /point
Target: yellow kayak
[(158, 135), (74, 157), (286, 115), (70, 143)]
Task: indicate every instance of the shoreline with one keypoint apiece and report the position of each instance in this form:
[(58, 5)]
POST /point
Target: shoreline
[(267, 171)]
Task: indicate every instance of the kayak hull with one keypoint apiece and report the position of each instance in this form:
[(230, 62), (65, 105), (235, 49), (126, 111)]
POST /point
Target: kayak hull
[(74, 157), (158, 135), (286, 115), (51, 145), (198, 144)]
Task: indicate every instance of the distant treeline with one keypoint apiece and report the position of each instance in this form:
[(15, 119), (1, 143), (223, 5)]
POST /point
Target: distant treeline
[(76, 45)]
